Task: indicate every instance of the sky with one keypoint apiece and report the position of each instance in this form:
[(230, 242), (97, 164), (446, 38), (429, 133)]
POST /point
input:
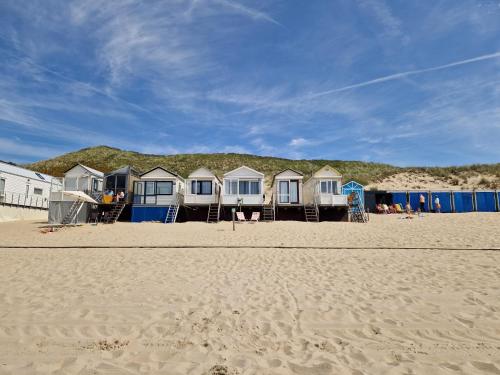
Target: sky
[(402, 82)]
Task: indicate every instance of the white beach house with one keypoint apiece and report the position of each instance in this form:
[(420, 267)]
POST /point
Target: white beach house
[(324, 188), (243, 186), (287, 188), (85, 179), (202, 188)]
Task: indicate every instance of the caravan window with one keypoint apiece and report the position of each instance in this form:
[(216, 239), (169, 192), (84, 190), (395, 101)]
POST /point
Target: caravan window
[(38, 191), (249, 187), (254, 187), (139, 188), (2, 186)]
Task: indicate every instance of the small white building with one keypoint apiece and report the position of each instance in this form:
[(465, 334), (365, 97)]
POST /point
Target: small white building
[(287, 188), (23, 187), (324, 188), (243, 186), (202, 188), (158, 187), (83, 178)]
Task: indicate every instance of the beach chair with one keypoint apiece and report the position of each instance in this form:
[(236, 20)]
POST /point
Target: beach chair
[(241, 217), (398, 208), (385, 208), (380, 210), (255, 217)]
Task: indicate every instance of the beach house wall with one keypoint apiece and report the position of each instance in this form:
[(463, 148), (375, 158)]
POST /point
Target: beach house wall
[(354, 187), (122, 179), (202, 188), (287, 188), (243, 186), (324, 188)]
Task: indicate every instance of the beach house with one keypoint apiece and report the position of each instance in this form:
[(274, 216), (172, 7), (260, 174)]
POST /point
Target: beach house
[(158, 195), (79, 197), (287, 197), (243, 188), (23, 193), (323, 193), (118, 181), (203, 195)]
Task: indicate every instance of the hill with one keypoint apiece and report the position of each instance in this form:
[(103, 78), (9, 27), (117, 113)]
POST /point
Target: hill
[(378, 175)]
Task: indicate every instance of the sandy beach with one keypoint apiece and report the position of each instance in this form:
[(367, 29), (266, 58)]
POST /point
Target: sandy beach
[(392, 296)]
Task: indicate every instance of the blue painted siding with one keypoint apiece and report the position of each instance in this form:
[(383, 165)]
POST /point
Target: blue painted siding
[(485, 201), (463, 201), (415, 200), (444, 200), (400, 198), (146, 213)]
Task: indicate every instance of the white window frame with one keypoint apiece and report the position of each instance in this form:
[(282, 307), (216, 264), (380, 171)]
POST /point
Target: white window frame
[(329, 187)]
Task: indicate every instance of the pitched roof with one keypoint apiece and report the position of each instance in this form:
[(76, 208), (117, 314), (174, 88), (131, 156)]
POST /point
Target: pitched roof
[(163, 169), (125, 170), (93, 171), (23, 172), (283, 171), (244, 167)]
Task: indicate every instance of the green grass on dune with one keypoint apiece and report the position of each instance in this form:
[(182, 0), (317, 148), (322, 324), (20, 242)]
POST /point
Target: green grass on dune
[(106, 159)]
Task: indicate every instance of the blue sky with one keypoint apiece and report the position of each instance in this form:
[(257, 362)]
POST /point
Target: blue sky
[(403, 82)]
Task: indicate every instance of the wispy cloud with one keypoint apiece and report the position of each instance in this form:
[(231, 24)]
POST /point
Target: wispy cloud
[(253, 13)]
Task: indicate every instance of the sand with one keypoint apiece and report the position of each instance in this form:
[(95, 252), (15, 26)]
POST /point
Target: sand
[(227, 310)]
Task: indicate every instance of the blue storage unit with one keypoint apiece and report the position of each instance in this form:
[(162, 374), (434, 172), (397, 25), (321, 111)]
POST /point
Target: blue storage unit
[(399, 197), (354, 187), (415, 200), (148, 213), (463, 201), (485, 201), (444, 200)]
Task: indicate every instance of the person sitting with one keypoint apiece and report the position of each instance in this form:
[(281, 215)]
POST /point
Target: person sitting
[(120, 196)]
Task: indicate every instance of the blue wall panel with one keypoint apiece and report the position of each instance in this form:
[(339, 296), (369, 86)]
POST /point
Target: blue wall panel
[(415, 200), (444, 200), (463, 201), (145, 213), (485, 201), (399, 198), (361, 194)]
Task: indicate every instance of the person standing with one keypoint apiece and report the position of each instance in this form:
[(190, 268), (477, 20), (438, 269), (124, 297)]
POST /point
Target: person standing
[(437, 205), (422, 203)]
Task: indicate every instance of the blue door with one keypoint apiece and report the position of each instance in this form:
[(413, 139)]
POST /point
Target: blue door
[(485, 201), (444, 200)]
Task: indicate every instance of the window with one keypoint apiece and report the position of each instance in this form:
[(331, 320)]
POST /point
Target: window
[(38, 191), (201, 187), (139, 188), (2, 186), (164, 188), (150, 188), (110, 183), (121, 182), (95, 184), (328, 187), (254, 187), (231, 187), (244, 188), (27, 190), (40, 176)]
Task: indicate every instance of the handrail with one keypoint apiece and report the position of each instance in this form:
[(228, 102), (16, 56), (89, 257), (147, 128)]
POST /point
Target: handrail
[(17, 199)]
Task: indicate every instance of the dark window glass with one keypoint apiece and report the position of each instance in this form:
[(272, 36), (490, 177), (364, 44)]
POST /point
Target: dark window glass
[(193, 187), (244, 187), (164, 188), (254, 187), (110, 183), (121, 182), (205, 187)]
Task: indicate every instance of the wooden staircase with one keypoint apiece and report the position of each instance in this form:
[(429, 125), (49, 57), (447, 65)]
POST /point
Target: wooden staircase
[(268, 211), (73, 212), (312, 213), (113, 215), (357, 213), (214, 211)]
